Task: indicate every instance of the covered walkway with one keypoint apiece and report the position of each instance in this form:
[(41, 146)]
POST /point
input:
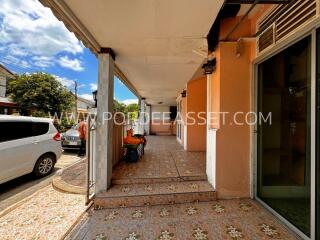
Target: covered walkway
[(166, 174), (164, 160)]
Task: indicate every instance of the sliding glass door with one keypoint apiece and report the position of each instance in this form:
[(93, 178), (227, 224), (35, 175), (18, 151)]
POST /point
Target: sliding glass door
[(317, 224), (283, 156)]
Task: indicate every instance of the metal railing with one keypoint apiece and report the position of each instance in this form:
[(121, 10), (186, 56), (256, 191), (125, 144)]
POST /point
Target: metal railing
[(91, 168)]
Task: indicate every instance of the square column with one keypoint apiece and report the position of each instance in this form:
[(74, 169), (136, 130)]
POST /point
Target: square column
[(211, 138), (142, 116), (104, 123), (148, 122)]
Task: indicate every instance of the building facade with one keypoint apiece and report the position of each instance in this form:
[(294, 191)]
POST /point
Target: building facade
[(260, 95), (6, 105)]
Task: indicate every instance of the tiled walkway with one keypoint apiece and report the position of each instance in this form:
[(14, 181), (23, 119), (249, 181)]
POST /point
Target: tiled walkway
[(164, 158), (165, 174), (227, 219), (48, 214)]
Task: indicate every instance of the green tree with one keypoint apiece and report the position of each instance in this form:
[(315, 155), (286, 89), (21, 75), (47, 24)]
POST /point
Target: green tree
[(132, 109), (118, 106), (40, 91)]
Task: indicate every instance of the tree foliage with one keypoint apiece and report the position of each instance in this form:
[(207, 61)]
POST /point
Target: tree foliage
[(40, 91), (130, 110)]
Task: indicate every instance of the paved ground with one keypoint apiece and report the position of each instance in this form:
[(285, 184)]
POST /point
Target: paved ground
[(164, 158), (47, 214), (18, 189), (217, 220)]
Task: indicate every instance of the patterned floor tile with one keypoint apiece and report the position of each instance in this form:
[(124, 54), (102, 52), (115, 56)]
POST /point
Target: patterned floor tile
[(47, 215), (164, 158), (220, 220)]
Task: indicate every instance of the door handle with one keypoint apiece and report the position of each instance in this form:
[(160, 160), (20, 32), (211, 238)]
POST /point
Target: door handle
[(35, 142)]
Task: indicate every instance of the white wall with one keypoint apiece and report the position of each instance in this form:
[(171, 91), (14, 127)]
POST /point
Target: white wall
[(211, 157), (84, 105)]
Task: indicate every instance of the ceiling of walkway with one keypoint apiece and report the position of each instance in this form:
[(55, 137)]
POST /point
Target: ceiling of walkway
[(159, 44)]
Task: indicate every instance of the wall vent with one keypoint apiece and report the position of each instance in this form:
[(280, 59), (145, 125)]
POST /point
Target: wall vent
[(299, 14), (266, 39)]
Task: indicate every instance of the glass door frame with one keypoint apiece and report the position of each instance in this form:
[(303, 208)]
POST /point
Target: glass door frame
[(255, 98), (317, 166)]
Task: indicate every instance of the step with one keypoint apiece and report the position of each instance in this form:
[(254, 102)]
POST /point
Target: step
[(158, 180), (138, 195)]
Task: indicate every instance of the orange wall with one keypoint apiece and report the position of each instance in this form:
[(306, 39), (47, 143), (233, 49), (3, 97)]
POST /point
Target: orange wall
[(215, 94), (197, 102), (231, 93), (233, 141)]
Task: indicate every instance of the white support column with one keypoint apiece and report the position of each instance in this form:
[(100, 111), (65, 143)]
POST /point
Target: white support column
[(211, 140), (104, 123), (148, 118), (142, 116)]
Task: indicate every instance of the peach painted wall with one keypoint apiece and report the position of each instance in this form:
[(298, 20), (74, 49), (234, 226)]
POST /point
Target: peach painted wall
[(215, 94), (161, 127), (197, 103), (231, 93), (160, 121), (233, 141)]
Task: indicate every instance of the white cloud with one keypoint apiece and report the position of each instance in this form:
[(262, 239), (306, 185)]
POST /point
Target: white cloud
[(42, 61), (93, 86), (32, 33), (86, 96), (23, 64), (65, 81), (130, 101), (29, 26), (73, 64)]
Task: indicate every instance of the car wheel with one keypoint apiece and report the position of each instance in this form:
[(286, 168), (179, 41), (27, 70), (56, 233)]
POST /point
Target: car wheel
[(44, 165)]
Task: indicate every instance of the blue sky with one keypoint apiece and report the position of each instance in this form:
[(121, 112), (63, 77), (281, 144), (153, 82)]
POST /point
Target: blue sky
[(32, 39)]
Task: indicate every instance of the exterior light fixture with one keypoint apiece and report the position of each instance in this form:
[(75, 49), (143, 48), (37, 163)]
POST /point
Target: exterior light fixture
[(209, 67), (184, 93), (94, 94)]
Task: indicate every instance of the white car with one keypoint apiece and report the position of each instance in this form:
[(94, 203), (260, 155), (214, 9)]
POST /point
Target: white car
[(27, 145)]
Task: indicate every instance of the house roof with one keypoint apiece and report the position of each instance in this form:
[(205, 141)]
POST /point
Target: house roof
[(6, 71), (87, 101), (5, 100), (159, 44)]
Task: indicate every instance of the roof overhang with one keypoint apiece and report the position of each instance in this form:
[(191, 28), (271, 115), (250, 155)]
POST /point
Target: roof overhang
[(6, 72), (159, 44)]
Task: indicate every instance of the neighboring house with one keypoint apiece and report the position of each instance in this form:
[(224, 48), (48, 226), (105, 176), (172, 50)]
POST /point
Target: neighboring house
[(259, 57), (6, 105), (84, 106)]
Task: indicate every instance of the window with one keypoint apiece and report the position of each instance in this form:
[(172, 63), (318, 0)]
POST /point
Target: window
[(12, 130), (39, 128)]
